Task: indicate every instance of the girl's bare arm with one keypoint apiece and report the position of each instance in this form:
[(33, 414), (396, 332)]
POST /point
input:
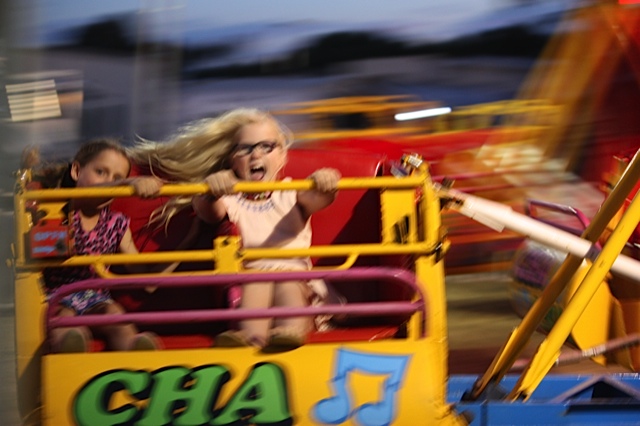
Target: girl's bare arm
[(325, 191), (209, 207), (144, 186)]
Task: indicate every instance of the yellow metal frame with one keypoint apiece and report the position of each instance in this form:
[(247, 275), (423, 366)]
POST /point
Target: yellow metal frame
[(48, 383), (397, 195), (549, 350), (518, 339), (532, 116)]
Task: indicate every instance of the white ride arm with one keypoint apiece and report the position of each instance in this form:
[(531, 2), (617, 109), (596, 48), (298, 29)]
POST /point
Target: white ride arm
[(499, 216)]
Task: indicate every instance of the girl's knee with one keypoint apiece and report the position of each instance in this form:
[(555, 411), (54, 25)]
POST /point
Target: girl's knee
[(63, 311), (292, 293), (113, 308)]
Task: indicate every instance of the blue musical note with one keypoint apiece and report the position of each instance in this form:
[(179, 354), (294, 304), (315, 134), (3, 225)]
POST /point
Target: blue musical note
[(337, 409)]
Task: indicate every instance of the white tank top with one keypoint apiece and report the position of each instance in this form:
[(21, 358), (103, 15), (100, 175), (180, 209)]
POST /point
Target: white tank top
[(275, 222)]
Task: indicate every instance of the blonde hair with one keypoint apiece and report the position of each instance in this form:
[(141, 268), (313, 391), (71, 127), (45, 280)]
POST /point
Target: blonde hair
[(197, 150)]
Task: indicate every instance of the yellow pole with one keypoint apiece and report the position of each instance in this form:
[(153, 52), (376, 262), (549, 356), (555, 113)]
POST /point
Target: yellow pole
[(22, 226), (518, 339), (201, 188), (549, 350), (430, 272)]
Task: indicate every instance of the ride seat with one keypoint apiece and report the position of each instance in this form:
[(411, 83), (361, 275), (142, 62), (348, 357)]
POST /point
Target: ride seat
[(158, 238), (353, 218)]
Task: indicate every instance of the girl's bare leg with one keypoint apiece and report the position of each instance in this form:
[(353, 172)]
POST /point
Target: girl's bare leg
[(254, 296), (293, 294), (118, 337), (69, 339)]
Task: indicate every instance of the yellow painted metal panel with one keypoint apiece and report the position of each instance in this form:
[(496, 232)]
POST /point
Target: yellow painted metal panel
[(391, 374), (29, 334)]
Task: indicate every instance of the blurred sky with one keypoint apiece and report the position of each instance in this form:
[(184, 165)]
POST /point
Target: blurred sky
[(243, 11), (433, 19)]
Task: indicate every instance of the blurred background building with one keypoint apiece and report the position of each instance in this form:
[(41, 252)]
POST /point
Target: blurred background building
[(73, 70)]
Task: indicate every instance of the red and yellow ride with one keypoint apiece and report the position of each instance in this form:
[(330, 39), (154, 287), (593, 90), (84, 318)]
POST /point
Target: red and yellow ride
[(383, 244)]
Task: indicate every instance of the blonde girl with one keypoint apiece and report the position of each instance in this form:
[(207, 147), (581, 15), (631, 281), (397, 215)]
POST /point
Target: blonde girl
[(249, 145)]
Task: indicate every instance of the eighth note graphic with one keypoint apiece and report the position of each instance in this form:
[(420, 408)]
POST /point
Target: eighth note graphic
[(337, 409)]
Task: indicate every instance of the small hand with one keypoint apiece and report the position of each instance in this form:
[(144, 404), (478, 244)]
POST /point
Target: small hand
[(326, 179), (221, 183), (147, 186)]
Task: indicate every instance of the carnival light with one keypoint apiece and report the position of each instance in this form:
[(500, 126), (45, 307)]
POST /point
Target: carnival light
[(431, 112)]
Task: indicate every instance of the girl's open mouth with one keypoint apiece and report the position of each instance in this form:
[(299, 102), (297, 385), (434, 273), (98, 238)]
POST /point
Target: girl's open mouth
[(257, 173)]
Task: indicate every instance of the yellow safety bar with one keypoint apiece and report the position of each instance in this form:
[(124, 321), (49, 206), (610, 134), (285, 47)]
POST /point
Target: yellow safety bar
[(350, 251), (521, 334), (549, 349)]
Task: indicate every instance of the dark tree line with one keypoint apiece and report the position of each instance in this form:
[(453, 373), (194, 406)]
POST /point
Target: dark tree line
[(111, 36)]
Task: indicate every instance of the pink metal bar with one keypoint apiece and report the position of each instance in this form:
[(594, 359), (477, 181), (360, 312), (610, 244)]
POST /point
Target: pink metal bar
[(195, 316), (560, 208), (394, 275)]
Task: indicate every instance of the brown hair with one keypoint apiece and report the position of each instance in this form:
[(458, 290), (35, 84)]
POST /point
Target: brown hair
[(54, 175)]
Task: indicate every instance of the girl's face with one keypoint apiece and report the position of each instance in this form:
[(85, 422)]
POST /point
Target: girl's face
[(259, 154), (107, 167)]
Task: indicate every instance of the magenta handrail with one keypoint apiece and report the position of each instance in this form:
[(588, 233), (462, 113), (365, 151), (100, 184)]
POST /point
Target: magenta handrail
[(396, 275), (560, 208), (203, 315)]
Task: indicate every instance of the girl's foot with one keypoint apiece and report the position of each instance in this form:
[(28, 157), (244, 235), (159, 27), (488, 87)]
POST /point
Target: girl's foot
[(236, 339), (284, 339), (73, 341), (146, 341)]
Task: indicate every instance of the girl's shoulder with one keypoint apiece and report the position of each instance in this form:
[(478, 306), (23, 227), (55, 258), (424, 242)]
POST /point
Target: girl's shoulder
[(107, 212), (115, 218)]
